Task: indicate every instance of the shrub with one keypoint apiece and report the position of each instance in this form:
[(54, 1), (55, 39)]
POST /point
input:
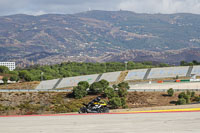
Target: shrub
[(96, 88), (110, 93), (122, 92), (187, 98), (85, 84), (5, 80), (182, 95), (79, 92), (188, 93), (197, 99), (123, 103), (181, 101), (170, 92), (115, 102), (123, 85), (193, 94), (104, 84)]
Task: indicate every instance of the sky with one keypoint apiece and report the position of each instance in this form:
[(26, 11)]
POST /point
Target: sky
[(39, 7)]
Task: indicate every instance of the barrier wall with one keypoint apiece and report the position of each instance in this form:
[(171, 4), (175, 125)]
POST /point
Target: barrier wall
[(168, 72), (110, 77), (196, 70), (136, 74), (48, 84), (73, 81)]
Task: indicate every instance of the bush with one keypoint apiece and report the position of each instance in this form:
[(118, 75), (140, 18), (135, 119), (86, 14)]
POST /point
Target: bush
[(96, 88), (197, 99), (85, 84), (79, 92), (122, 92), (123, 85), (115, 102), (188, 93), (182, 95), (181, 101), (5, 80), (110, 93), (170, 92), (123, 103), (104, 84), (193, 94), (188, 97)]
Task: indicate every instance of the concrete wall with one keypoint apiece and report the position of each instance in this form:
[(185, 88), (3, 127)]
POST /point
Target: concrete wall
[(111, 77), (136, 74), (73, 81), (166, 72)]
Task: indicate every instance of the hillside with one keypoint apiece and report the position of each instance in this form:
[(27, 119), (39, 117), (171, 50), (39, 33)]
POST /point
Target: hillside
[(99, 36)]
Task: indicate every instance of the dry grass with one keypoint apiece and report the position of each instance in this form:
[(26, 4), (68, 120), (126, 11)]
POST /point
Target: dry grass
[(23, 85)]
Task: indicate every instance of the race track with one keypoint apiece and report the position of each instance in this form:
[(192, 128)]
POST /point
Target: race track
[(174, 122)]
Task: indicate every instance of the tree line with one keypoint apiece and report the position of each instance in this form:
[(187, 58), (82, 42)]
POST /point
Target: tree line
[(69, 69)]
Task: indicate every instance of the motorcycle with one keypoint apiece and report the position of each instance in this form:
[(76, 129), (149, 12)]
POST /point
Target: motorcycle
[(96, 107)]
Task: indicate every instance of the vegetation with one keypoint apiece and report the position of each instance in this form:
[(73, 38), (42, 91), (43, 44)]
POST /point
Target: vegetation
[(188, 97), (5, 80), (4, 69), (181, 101), (79, 91), (170, 92), (194, 62), (69, 69)]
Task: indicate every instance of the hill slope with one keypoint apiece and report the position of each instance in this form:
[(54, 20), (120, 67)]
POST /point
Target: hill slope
[(99, 36)]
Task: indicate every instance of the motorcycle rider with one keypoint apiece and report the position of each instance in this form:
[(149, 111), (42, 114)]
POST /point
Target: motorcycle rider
[(91, 104)]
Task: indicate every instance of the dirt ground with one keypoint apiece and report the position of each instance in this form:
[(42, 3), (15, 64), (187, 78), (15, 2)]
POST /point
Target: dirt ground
[(150, 99), (23, 85)]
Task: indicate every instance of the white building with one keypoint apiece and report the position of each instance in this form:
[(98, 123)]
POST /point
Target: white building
[(10, 65)]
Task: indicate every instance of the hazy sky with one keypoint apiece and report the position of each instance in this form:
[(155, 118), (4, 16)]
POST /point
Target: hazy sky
[(38, 7)]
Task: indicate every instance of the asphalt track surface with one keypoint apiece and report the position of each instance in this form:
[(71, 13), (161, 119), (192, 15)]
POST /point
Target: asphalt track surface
[(166, 121)]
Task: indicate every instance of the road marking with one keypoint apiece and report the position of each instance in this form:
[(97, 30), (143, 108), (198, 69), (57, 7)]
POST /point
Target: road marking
[(129, 112)]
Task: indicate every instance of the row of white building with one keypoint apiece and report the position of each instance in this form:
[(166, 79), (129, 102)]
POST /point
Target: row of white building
[(11, 65)]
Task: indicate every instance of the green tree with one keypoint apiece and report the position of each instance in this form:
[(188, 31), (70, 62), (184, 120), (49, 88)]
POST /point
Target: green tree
[(110, 93), (96, 88), (104, 84), (25, 75), (5, 80), (14, 78), (170, 92), (122, 92), (182, 95), (85, 84), (183, 63), (193, 94), (4, 69), (123, 102), (79, 92), (181, 101), (123, 85), (115, 102)]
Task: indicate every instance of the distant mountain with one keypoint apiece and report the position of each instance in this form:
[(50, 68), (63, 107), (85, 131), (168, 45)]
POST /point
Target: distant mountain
[(99, 36)]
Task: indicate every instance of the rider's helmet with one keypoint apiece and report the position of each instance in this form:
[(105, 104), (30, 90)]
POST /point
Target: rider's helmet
[(98, 99)]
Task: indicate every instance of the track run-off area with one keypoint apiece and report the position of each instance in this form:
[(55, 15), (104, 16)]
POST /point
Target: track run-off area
[(152, 121)]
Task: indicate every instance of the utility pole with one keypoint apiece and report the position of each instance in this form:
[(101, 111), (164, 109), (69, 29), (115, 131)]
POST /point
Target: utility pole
[(42, 76), (126, 65)]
